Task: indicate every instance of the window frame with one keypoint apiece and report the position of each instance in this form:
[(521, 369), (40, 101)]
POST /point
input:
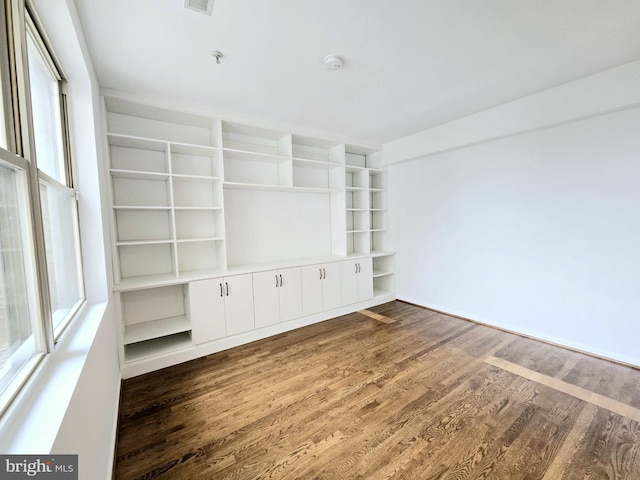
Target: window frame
[(18, 19), (32, 25)]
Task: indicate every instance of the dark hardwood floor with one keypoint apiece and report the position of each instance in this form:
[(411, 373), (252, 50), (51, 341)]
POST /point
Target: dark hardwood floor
[(410, 394)]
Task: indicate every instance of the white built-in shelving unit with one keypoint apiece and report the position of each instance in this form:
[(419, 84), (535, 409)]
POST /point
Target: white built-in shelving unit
[(206, 212), (367, 214)]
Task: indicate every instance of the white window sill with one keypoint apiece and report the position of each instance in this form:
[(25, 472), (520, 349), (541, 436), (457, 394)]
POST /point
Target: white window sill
[(31, 423)]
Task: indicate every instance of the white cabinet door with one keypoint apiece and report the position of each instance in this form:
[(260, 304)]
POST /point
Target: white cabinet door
[(290, 290), (365, 279), (277, 296), (357, 280), (206, 307), (311, 289), (321, 289), (238, 299), (331, 290), (349, 277), (266, 287)]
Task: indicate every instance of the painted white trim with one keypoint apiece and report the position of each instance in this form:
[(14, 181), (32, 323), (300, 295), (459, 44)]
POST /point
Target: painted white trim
[(609, 91), (110, 474)]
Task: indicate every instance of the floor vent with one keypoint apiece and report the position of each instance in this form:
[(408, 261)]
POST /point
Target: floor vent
[(202, 6)]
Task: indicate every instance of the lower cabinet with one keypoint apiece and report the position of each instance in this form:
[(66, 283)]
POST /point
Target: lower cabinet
[(277, 296), (320, 287), (206, 311), (357, 280), (220, 307), (157, 319)]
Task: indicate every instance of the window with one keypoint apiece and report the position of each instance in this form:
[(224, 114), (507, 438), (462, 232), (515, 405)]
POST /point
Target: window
[(44, 81), (18, 319), (57, 197), (41, 284)]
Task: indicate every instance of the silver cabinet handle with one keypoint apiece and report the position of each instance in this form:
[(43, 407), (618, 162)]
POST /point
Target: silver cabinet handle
[(221, 289), (356, 265), (276, 281), (324, 273), (227, 285), (320, 270), (280, 280)]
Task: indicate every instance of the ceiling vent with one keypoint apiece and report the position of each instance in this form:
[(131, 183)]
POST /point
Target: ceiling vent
[(202, 6)]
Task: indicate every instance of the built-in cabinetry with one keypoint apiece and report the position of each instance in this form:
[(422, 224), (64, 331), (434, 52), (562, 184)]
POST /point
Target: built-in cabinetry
[(357, 280), (220, 307), (366, 202), (321, 287), (277, 296), (223, 233)]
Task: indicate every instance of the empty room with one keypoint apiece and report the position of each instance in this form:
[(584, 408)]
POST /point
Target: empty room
[(358, 239)]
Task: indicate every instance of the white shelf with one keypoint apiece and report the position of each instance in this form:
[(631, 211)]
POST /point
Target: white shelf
[(308, 148), (381, 253), (140, 190), (195, 193), (135, 226), (138, 175), (381, 273), (240, 137), (163, 280), (195, 178), (303, 162), (192, 148), (141, 207), (203, 239), (140, 332), (160, 281), (198, 224), (147, 121), (182, 209), (143, 242), (134, 141), (293, 262), (159, 346), (236, 154), (255, 186), (378, 292)]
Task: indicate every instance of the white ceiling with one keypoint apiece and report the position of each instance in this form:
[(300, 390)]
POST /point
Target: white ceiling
[(409, 64)]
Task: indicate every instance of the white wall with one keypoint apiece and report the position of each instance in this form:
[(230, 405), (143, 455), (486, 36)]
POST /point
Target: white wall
[(536, 232)]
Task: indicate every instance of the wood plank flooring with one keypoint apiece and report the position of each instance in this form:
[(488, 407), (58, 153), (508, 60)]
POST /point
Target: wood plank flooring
[(394, 392)]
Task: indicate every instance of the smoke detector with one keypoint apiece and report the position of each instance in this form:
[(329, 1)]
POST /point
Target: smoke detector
[(332, 62), (202, 6)]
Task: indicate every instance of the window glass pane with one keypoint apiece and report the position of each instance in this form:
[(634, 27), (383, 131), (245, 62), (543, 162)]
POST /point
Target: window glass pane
[(60, 232), (17, 342), (45, 103)]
